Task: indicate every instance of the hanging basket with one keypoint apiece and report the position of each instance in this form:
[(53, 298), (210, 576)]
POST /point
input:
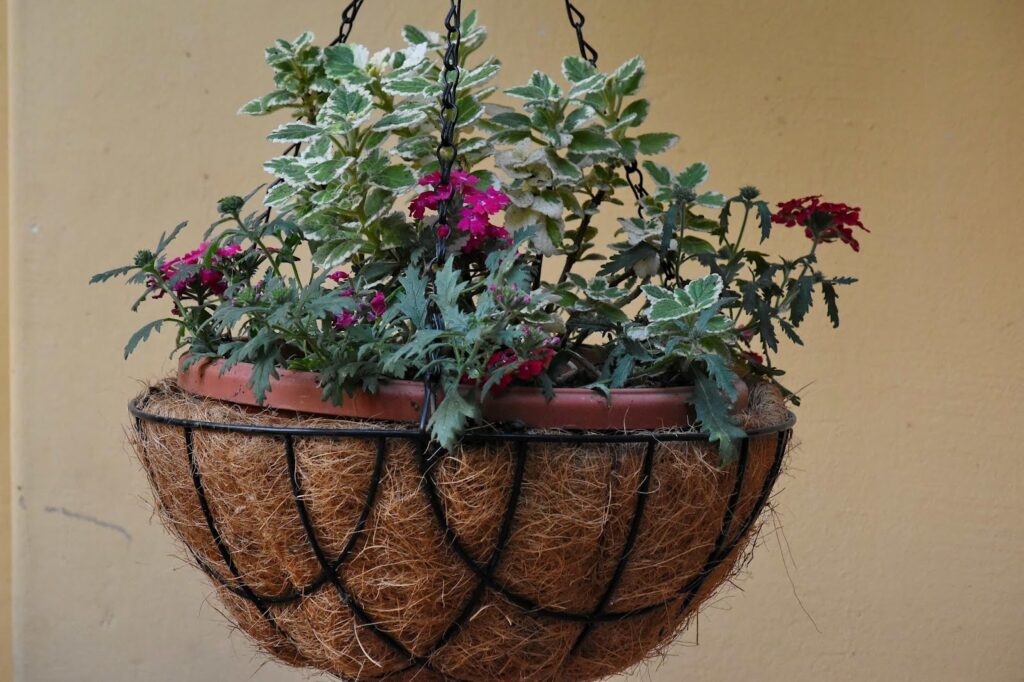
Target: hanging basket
[(353, 547)]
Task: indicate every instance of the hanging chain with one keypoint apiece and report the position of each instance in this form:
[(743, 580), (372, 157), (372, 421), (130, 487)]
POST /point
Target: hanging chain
[(634, 176), (576, 20), (348, 18), (447, 150)]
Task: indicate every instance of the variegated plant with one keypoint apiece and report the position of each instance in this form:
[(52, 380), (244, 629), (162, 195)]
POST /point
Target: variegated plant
[(330, 274)]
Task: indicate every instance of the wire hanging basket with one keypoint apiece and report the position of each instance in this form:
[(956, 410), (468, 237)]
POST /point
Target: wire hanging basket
[(362, 549)]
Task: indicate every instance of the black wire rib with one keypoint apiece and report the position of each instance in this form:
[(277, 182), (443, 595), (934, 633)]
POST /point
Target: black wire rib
[(627, 548), (222, 548), (324, 577), (725, 548), (344, 595), (504, 535)]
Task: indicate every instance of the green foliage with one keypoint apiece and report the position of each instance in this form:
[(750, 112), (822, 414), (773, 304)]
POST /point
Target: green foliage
[(335, 272)]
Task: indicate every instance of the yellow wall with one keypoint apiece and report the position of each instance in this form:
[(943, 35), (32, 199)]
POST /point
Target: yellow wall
[(903, 545)]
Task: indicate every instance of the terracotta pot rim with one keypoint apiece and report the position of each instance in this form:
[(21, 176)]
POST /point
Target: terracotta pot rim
[(401, 400)]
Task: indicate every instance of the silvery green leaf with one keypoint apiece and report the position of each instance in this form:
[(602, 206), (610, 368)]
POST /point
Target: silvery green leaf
[(587, 85), (346, 108), (510, 136), (305, 38), (592, 141), (470, 110), (576, 69), (628, 148), (330, 256), (629, 76), (562, 168), (473, 144), (704, 292), (340, 61), (289, 169), (541, 80), (481, 74), (395, 178), (638, 109), (693, 175), (666, 309), (378, 202), (416, 36), (656, 293), (326, 171), (711, 199), (277, 196), (416, 148), (512, 120), (401, 118), (527, 92), (294, 132), (578, 117), (328, 195), (660, 174), (317, 150), (548, 203), (413, 55), (407, 87), (656, 143)]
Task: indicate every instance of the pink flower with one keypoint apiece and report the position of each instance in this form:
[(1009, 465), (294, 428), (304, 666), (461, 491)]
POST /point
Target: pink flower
[(345, 320), (378, 304), (822, 221), (229, 251), (473, 208), (338, 276)]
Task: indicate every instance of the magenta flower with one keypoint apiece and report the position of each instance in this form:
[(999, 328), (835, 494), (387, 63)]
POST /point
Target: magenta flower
[(345, 320), (378, 305), (474, 208)]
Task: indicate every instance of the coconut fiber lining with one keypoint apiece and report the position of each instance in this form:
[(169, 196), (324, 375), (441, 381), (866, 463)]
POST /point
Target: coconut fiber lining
[(497, 561)]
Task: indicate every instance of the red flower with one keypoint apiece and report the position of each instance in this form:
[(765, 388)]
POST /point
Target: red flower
[(823, 222), (525, 370)]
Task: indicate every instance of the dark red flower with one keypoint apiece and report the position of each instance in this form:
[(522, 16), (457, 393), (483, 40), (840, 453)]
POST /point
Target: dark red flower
[(823, 221)]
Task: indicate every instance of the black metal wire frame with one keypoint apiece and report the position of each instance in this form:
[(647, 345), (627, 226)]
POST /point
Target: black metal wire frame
[(732, 532)]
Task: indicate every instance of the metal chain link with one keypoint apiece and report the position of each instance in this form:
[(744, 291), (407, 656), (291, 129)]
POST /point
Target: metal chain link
[(634, 176), (348, 18), (576, 20)]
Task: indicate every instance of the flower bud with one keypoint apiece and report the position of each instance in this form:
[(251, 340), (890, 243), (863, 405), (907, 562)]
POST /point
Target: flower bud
[(749, 192), (230, 205)]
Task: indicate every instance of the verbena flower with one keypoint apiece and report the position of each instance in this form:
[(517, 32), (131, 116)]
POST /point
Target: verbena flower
[(823, 221), (474, 208), (207, 281)]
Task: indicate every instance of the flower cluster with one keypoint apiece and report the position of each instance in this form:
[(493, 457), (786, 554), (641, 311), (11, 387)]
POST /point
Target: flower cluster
[(474, 207), (203, 282), (822, 221), (530, 367), (367, 310)]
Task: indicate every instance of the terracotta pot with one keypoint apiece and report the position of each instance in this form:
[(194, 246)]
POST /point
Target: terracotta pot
[(571, 408)]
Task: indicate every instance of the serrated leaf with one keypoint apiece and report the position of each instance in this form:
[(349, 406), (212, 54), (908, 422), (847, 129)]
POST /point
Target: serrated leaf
[(395, 178), (660, 174), (527, 92), (802, 300), (831, 302), (511, 120), (326, 171), (450, 417), (592, 141), (764, 215), (480, 75), (562, 168), (576, 69), (294, 132), (110, 274), (713, 413), (412, 300), (636, 112), (416, 36), (666, 309), (278, 195), (629, 76), (407, 87), (289, 169), (401, 118), (655, 293), (694, 175), (589, 84), (346, 108), (141, 335), (704, 292), (656, 143), (720, 370)]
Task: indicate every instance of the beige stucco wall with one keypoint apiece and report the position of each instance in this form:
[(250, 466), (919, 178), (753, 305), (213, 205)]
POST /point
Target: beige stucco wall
[(903, 508)]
